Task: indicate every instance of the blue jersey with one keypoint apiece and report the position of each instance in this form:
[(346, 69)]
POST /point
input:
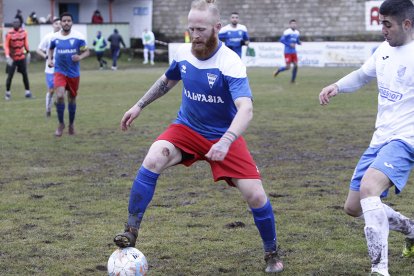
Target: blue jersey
[(290, 36), (67, 46), (209, 89), (234, 37)]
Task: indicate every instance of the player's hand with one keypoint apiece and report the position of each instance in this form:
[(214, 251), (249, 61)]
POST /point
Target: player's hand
[(129, 117), (293, 45), (50, 64), (219, 150), (327, 93), (9, 61), (76, 58)]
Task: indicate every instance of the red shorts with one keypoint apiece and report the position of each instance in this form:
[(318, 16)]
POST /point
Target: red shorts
[(291, 58), (70, 84), (238, 163)]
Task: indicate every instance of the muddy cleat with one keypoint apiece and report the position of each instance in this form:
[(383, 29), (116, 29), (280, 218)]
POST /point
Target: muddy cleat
[(71, 130), (28, 95), (273, 262), (48, 114), (275, 73), (128, 238), (408, 251), (7, 96), (59, 130)]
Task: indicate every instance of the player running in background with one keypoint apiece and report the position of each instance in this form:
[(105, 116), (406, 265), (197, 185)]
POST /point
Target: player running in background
[(389, 158), (234, 35), (70, 48), (16, 50), (216, 109), (43, 50), (290, 39)]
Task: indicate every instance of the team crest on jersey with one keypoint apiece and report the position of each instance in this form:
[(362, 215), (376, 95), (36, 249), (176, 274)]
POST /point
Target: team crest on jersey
[(183, 69), (401, 71), (211, 79), (71, 42)]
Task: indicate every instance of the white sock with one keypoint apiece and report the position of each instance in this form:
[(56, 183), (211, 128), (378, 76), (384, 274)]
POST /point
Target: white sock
[(399, 222), (145, 55), (48, 101), (376, 233)]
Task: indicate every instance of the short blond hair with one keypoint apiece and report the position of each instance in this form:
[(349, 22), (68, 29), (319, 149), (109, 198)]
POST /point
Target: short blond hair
[(207, 5)]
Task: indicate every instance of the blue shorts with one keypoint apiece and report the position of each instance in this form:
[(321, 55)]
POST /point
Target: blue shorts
[(49, 80), (395, 159), (150, 47)]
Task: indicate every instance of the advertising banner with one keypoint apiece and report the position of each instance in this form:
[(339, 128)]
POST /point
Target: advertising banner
[(310, 54)]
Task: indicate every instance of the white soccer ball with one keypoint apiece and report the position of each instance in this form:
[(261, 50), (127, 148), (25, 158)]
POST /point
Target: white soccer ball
[(127, 262)]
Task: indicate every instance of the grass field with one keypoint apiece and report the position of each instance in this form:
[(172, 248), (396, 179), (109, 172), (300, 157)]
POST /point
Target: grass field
[(63, 199)]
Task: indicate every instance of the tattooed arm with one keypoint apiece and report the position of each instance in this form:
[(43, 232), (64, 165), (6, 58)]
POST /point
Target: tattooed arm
[(157, 90)]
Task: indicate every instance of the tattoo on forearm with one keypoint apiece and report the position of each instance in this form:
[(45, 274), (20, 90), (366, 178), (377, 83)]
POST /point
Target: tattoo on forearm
[(156, 91)]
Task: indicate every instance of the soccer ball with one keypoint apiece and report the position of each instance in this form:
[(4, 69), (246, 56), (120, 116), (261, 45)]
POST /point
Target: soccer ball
[(127, 262)]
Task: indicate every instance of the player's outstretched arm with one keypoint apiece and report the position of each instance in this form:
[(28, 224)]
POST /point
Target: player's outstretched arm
[(327, 93), (157, 90)]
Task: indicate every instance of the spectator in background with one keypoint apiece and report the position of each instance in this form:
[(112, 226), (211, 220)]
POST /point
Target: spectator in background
[(234, 35), (187, 36), (32, 19), (15, 47), (148, 40), (19, 16), (97, 17), (116, 40), (99, 44)]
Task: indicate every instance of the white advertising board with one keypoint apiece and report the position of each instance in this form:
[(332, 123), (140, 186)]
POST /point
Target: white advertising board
[(310, 54)]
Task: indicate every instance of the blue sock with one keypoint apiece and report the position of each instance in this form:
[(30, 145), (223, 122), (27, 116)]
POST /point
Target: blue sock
[(140, 196), (294, 72), (265, 223), (60, 109), (72, 112), (281, 69)]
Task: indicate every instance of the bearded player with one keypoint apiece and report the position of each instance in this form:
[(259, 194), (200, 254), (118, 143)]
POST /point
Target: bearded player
[(70, 48), (216, 109)]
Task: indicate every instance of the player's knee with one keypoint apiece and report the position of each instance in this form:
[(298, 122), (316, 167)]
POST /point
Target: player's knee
[(156, 161), (351, 211), (256, 199)]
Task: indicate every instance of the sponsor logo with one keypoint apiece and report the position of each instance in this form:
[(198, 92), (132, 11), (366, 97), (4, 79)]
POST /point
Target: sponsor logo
[(211, 79), (66, 51), (388, 165), (390, 95), (199, 97), (401, 71)]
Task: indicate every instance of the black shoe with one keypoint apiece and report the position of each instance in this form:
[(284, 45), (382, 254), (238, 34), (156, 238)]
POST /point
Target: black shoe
[(273, 262), (128, 238)]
